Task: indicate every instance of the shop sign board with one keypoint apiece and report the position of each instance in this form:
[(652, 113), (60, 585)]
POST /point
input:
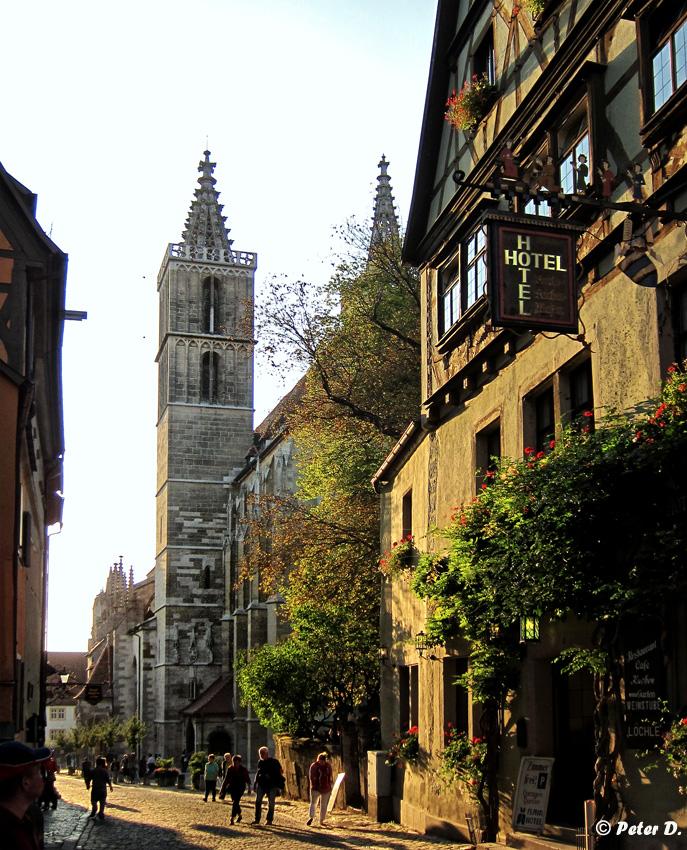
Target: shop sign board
[(93, 693), (645, 689), (532, 794), (532, 273)]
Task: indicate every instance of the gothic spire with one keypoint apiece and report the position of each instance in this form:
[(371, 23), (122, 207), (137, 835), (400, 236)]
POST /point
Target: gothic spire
[(384, 221), (205, 225)]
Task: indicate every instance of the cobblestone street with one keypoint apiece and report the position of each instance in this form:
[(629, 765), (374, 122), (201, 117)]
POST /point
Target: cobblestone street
[(168, 819)]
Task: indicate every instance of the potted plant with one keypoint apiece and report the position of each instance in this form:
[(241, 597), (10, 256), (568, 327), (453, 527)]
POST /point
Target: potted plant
[(165, 773), (466, 109), (196, 765)]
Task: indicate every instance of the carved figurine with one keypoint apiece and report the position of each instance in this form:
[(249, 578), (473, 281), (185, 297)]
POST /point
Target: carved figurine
[(635, 174), (507, 157), (607, 179), (547, 176), (581, 173)]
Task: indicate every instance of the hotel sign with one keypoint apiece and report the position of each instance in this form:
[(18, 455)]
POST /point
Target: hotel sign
[(532, 273)]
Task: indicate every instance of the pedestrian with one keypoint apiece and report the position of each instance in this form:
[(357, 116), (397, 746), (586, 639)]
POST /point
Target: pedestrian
[(124, 767), (21, 784), (321, 784), (211, 771), (49, 797), (114, 769), (236, 779), (223, 768), (100, 779), (269, 780), (184, 761), (142, 768), (151, 763), (86, 771)]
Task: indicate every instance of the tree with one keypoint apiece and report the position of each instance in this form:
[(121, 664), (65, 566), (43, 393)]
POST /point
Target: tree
[(359, 338), (578, 530), (279, 683), (134, 731), (358, 335)]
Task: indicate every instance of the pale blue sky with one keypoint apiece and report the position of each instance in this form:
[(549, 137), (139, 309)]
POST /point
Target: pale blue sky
[(106, 114)]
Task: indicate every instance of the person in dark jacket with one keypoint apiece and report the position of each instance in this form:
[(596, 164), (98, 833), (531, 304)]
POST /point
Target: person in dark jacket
[(236, 778), (100, 779), (269, 780)]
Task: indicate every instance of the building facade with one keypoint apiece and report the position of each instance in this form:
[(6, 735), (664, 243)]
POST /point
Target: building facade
[(32, 293), (582, 115)]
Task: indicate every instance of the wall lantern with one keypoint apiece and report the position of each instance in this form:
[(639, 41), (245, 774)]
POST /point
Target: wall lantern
[(384, 655), (421, 643), (529, 629)]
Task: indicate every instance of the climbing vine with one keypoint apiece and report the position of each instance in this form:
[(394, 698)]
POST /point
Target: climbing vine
[(584, 528)]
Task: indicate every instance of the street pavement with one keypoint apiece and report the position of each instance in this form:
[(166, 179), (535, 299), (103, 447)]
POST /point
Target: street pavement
[(141, 817)]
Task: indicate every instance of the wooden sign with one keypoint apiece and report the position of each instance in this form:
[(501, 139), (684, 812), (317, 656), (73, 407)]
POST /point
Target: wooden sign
[(532, 794), (93, 693)]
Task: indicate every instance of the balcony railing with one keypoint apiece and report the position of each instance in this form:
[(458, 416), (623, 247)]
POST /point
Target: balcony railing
[(212, 255)]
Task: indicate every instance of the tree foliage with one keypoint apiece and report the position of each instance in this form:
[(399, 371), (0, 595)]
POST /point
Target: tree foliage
[(581, 529), (358, 335)]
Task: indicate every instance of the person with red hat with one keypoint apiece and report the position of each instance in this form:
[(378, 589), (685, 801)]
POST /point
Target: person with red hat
[(21, 784)]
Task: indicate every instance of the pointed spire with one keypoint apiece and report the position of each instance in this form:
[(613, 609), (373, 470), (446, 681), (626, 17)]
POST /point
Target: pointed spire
[(205, 225), (384, 221)]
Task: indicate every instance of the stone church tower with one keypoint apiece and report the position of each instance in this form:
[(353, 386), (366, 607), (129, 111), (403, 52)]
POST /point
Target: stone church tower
[(205, 420)]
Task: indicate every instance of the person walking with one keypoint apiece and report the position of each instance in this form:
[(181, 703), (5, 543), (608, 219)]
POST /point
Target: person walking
[(86, 771), (100, 779), (21, 783), (321, 784), (236, 778), (211, 771), (269, 780)]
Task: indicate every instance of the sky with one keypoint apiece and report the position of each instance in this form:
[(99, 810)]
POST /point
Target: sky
[(107, 109)]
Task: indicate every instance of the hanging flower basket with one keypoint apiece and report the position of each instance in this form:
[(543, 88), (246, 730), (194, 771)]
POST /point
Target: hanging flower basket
[(398, 558), (466, 109), (536, 7)]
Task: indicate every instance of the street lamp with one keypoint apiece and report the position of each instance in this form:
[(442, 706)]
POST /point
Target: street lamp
[(421, 643)]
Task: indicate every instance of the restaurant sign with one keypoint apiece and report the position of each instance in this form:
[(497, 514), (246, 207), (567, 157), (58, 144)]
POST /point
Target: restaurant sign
[(645, 688), (532, 272)]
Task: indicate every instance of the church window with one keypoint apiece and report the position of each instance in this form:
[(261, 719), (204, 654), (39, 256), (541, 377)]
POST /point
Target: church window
[(209, 377), (211, 312), (206, 578)]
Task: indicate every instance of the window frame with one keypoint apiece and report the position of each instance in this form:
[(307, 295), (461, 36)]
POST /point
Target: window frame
[(458, 286), (657, 124)]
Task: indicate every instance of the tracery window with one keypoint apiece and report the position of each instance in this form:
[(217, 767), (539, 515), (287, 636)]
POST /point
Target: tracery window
[(209, 378), (211, 305)]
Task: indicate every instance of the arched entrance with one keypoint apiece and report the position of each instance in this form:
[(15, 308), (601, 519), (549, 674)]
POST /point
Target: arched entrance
[(219, 742), (190, 738)]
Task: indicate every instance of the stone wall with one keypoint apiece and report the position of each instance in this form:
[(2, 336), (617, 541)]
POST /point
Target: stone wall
[(296, 755)]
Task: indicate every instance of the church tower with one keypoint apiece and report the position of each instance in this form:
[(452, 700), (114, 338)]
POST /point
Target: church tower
[(205, 422)]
